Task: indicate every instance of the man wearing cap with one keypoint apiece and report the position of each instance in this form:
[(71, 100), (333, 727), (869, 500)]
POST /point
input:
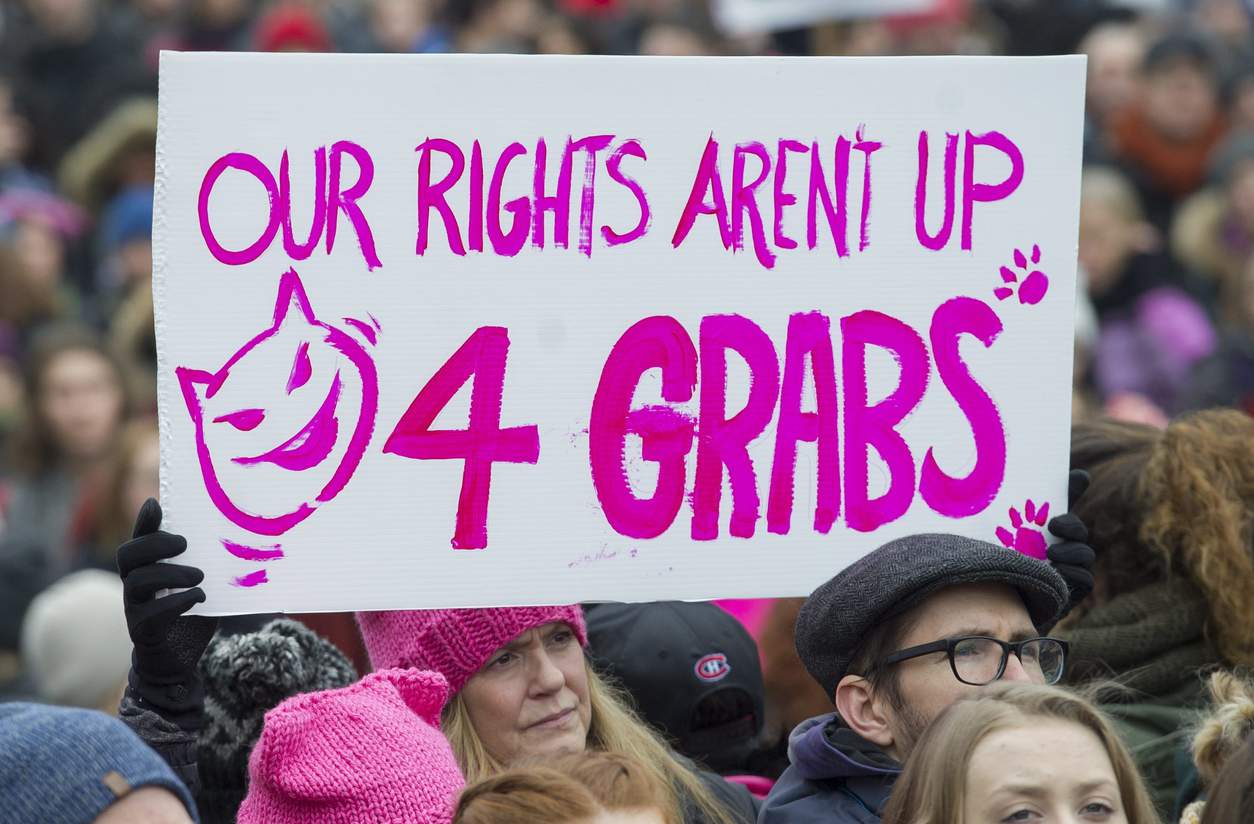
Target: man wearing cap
[(901, 634)]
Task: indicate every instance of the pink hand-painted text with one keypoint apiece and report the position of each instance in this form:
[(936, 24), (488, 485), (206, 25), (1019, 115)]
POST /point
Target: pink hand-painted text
[(722, 439)]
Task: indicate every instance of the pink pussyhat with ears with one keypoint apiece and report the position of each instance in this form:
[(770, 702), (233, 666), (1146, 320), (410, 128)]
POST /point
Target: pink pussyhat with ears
[(454, 642), (367, 753)]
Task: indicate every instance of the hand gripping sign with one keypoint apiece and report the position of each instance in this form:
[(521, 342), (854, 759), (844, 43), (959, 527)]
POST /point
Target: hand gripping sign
[(473, 331)]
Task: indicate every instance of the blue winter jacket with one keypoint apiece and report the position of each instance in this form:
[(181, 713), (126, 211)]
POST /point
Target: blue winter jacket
[(835, 777)]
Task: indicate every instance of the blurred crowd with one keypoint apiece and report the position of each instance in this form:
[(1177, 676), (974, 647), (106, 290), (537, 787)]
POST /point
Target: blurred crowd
[(1165, 324)]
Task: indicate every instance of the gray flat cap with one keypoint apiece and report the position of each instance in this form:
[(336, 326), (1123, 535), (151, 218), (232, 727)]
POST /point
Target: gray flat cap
[(902, 573)]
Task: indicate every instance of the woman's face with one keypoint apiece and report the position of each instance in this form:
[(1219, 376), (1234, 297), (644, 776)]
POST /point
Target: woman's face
[(81, 402), (1043, 772), (531, 698)]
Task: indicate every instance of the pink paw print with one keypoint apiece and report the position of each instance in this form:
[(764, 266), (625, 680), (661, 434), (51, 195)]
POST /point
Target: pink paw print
[(1033, 285), (1027, 538)]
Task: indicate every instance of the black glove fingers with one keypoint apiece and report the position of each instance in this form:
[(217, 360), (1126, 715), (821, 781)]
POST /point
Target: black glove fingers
[(1069, 527), (148, 520), (162, 611), (1072, 553), (146, 581), (148, 549), (1077, 483)]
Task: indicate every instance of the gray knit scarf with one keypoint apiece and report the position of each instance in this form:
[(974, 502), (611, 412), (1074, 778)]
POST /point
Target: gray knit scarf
[(1151, 641)]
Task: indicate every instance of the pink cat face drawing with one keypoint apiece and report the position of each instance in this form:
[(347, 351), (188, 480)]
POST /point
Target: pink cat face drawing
[(300, 369)]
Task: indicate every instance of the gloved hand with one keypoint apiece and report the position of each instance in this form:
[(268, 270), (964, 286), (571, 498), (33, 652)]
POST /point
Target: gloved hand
[(167, 646), (1072, 556)]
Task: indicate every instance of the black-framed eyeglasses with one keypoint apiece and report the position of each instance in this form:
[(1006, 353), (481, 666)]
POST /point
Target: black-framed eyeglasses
[(977, 660)]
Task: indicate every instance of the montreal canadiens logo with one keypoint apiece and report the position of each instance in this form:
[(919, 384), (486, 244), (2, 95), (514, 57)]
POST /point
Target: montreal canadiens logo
[(713, 667)]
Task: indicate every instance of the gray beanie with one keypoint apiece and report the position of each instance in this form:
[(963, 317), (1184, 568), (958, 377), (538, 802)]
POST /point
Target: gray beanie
[(69, 765), (901, 574)]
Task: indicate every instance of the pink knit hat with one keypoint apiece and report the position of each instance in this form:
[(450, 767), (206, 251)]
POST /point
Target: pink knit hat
[(366, 753), (454, 642)]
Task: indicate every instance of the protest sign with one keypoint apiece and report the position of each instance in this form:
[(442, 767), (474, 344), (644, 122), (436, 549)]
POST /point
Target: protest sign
[(737, 17), (442, 331)]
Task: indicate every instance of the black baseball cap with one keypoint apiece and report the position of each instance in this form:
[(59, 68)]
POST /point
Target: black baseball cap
[(693, 671)]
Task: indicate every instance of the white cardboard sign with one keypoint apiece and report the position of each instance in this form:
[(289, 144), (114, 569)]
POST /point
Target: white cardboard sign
[(440, 331)]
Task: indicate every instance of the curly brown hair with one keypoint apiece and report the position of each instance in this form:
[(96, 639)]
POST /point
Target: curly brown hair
[(1178, 501), (1199, 485)]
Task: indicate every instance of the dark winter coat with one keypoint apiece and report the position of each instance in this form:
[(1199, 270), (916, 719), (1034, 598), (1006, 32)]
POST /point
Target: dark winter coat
[(835, 777)]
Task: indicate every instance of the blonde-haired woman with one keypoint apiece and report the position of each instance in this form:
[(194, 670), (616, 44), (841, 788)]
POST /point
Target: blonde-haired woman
[(523, 690), (596, 786), (1020, 753)]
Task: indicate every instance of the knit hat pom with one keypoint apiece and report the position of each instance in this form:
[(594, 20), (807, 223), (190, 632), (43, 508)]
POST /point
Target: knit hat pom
[(250, 673), (423, 692)]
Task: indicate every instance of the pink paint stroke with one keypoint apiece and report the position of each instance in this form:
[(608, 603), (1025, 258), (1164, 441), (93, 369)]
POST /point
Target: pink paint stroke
[(312, 444), (481, 358), (252, 579), (1026, 538), (250, 553), (366, 331), (245, 420), (302, 369), (658, 342)]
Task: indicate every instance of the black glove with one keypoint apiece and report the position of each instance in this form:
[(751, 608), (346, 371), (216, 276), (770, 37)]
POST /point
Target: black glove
[(167, 646), (1072, 556)]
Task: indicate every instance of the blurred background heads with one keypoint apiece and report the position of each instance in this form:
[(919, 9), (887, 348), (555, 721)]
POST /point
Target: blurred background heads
[(292, 27), (77, 400), (75, 644), (1180, 82), (673, 40), (1115, 52), (1112, 228), (64, 20)]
